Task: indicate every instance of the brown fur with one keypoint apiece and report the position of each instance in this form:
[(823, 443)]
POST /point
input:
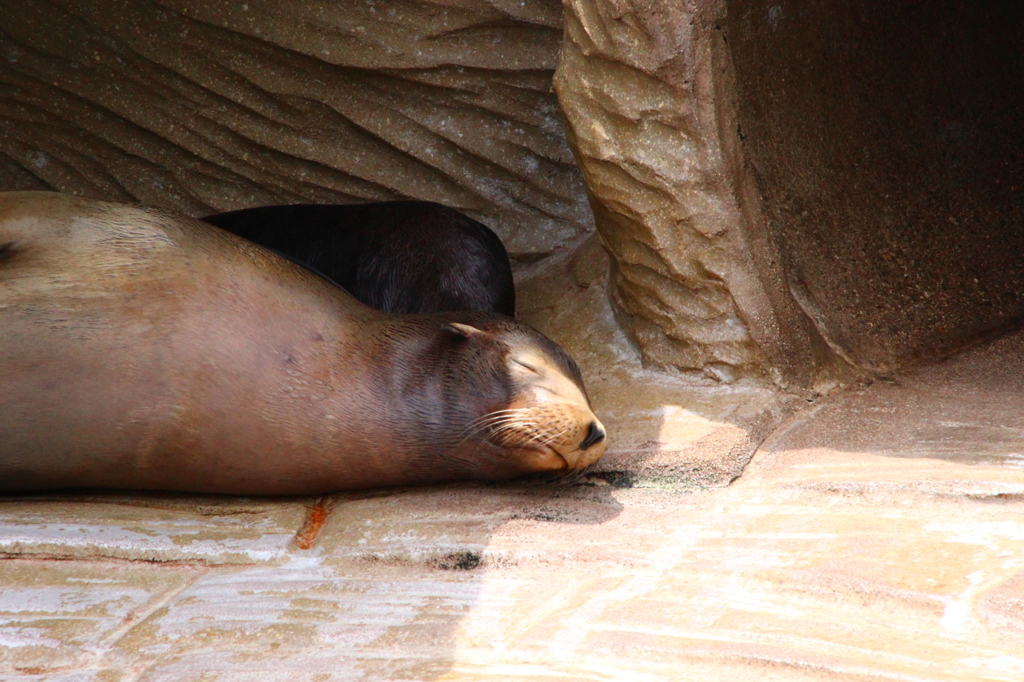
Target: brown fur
[(141, 349)]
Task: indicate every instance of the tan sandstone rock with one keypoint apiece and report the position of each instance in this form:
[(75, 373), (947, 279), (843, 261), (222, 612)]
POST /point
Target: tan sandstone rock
[(646, 91), (204, 107)]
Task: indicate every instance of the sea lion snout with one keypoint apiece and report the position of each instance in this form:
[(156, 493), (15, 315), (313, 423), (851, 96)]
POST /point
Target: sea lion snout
[(582, 445), (595, 434)]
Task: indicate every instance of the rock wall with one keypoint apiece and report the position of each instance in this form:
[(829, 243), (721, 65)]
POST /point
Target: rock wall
[(647, 90), (203, 106), (887, 141), (756, 165), (786, 191)]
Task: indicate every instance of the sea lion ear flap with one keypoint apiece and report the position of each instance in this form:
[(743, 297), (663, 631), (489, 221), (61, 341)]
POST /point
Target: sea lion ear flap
[(464, 330)]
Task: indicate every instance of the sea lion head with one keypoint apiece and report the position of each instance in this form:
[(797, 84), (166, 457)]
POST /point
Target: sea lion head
[(529, 412)]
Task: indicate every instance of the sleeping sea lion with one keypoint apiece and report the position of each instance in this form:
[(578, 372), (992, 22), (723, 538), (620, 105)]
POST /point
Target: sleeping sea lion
[(143, 349), (395, 256)]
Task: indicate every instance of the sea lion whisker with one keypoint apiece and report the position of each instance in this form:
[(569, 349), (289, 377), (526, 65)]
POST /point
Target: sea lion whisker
[(504, 435), (506, 424), (505, 411), (525, 438), (490, 430), (504, 419), (553, 436), (496, 424), (497, 414), (500, 413)]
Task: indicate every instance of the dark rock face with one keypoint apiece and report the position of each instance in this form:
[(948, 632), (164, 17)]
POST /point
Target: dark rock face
[(887, 140)]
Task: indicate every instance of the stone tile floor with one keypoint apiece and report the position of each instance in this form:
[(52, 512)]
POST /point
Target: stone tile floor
[(877, 534)]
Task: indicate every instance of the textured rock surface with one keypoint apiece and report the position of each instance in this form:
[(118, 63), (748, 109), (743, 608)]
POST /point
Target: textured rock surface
[(204, 106), (646, 89), (887, 143), (872, 187), (877, 535)]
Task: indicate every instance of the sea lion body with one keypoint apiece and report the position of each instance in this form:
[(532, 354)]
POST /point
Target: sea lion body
[(141, 349), (396, 256)]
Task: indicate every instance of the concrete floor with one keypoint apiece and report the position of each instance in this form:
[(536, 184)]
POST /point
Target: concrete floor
[(876, 534)]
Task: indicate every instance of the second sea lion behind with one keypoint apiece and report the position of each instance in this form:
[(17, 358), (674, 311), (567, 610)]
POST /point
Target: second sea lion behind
[(396, 256)]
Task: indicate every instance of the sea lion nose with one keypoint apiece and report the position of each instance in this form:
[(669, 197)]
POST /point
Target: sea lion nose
[(595, 434)]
